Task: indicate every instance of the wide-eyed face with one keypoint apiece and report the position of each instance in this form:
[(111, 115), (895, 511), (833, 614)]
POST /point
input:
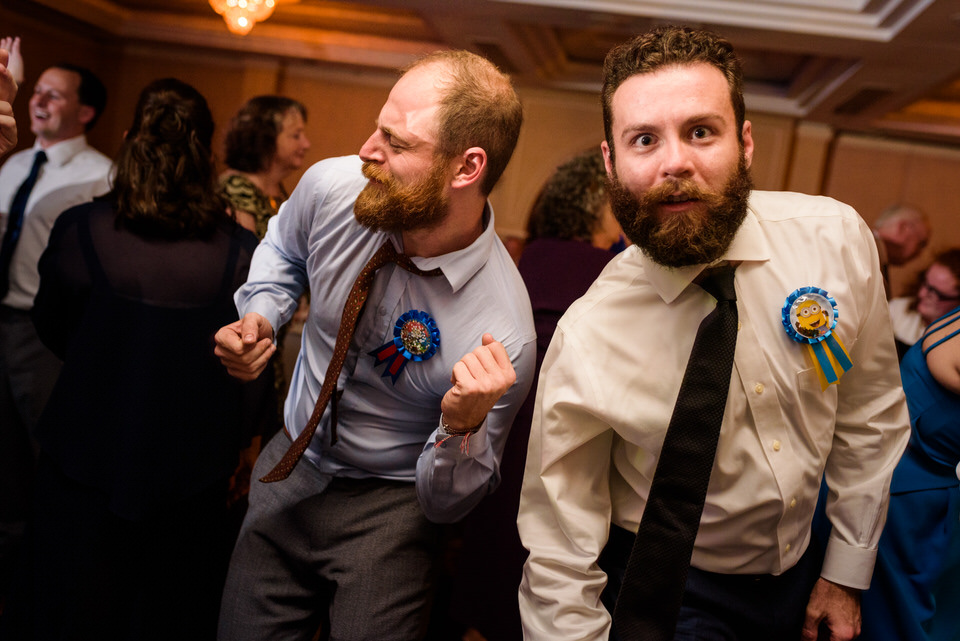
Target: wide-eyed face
[(55, 110), (292, 142), (939, 293), (409, 180), (678, 169)]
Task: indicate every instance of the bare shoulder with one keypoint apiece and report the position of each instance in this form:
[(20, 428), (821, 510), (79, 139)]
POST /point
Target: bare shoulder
[(944, 359)]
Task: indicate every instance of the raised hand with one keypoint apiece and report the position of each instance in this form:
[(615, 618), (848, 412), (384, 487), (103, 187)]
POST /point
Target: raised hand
[(478, 381), (245, 346)]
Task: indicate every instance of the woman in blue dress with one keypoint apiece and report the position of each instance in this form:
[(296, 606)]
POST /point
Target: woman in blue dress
[(924, 495)]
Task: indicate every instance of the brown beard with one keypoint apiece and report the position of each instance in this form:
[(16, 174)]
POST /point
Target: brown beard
[(694, 238), (388, 205)]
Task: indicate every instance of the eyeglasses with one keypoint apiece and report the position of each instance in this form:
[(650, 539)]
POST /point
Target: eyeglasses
[(939, 295)]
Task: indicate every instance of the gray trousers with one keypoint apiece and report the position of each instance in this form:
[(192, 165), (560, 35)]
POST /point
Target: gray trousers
[(354, 557)]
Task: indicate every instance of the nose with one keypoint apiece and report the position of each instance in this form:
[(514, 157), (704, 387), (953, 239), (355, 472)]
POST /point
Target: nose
[(676, 159), (372, 151)]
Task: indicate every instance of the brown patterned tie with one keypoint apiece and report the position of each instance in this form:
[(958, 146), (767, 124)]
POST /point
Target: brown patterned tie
[(348, 323)]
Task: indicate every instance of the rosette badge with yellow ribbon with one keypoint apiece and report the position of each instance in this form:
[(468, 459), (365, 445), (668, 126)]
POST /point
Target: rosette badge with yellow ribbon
[(809, 317)]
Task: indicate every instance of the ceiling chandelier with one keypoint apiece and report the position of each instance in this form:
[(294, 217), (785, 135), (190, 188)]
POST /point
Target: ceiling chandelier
[(241, 15)]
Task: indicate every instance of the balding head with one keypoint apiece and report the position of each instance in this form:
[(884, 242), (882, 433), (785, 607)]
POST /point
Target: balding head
[(479, 108), (904, 231)]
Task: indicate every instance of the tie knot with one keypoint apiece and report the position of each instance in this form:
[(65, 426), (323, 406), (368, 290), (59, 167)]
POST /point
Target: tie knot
[(38, 159), (718, 282), (387, 254)]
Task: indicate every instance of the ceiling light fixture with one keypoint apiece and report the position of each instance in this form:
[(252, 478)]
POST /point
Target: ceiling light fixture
[(241, 15)]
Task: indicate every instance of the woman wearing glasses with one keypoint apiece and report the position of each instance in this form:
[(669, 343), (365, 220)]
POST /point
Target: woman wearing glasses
[(937, 291)]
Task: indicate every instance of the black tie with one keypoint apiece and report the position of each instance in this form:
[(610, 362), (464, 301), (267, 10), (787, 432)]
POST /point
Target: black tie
[(15, 221), (656, 572)]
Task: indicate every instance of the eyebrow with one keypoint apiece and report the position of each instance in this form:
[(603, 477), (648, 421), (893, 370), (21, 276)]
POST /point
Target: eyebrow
[(697, 118)]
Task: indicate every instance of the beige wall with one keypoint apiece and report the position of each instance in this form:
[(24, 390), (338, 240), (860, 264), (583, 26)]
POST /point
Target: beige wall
[(868, 173), (873, 173)]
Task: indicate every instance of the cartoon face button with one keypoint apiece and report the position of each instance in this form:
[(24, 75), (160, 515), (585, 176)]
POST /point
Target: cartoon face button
[(809, 314)]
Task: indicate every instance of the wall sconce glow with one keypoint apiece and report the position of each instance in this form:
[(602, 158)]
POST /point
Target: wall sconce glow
[(241, 15)]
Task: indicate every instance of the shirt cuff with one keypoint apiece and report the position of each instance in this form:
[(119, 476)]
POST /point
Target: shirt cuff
[(848, 565), (478, 441), (265, 309)]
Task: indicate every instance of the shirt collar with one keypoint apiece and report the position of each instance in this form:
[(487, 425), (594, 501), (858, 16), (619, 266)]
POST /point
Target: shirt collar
[(750, 244), (459, 267), (62, 152)]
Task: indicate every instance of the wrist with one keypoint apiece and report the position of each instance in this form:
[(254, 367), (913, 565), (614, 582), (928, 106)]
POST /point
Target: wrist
[(447, 430)]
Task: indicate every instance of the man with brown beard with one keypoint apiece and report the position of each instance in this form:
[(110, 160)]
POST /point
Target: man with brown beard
[(437, 367), (678, 151)]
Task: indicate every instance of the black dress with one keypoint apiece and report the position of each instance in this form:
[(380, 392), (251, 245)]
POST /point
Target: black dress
[(141, 432)]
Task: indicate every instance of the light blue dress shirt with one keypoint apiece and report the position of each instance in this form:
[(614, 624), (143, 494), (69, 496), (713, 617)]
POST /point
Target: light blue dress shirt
[(390, 430)]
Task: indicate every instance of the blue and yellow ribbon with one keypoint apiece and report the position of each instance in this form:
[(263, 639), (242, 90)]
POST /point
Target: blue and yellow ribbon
[(809, 316)]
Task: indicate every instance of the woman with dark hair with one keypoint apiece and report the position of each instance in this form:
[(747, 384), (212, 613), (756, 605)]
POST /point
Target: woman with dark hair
[(572, 236), (265, 144), (144, 426), (935, 292)]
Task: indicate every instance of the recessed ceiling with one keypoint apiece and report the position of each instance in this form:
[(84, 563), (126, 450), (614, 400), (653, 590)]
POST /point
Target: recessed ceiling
[(883, 66)]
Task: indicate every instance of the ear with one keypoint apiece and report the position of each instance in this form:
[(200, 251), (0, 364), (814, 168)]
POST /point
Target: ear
[(748, 142), (469, 168), (86, 114), (607, 163)]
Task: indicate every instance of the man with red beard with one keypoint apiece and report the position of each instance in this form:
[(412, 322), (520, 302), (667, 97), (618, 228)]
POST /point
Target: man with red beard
[(432, 378), (678, 151)]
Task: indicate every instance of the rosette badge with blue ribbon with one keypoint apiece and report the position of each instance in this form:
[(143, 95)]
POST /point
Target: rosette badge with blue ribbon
[(809, 317), (416, 337)]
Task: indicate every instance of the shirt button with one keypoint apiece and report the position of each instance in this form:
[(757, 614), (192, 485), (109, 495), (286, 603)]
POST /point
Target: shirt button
[(787, 548), (758, 388), (776, 446), (793, 503), (382, 311), (738, 326)]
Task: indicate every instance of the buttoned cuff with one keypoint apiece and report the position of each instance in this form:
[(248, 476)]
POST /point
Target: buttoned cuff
[(265, 309), (848, 565), (478, 441)]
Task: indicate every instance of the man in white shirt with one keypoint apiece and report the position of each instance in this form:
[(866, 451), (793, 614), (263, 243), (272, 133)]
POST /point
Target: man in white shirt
[(678, 150), (66, 102)]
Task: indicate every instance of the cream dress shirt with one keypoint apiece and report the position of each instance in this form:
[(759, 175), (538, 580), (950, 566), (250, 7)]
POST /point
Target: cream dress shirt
[(610, 380)]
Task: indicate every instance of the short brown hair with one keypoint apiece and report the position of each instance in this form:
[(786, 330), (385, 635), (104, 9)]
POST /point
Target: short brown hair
[(251, 141), (670, 46), (479, 108)]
